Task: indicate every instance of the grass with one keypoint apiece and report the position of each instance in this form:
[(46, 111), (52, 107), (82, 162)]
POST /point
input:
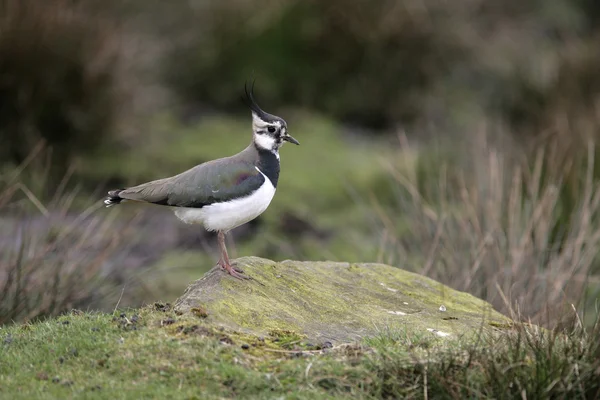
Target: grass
[(154, 353)]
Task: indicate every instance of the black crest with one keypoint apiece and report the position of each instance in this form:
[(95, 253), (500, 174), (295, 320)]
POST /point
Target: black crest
[(249, 100)]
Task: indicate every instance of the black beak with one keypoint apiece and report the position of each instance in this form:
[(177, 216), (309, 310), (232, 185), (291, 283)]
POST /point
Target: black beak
[(290, 139)]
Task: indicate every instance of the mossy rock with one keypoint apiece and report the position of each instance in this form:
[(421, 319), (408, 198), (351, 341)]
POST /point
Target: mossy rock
[(336, 302)]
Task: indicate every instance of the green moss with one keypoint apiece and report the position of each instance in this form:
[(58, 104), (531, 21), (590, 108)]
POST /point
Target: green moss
[(336, 301)]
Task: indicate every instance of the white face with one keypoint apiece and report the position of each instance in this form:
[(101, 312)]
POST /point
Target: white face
[(268, 135)]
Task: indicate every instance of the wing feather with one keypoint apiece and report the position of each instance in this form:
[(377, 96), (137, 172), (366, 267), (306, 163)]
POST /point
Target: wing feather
[(213, 182)]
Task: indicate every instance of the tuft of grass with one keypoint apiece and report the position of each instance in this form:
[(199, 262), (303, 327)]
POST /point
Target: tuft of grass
[(153, 352)]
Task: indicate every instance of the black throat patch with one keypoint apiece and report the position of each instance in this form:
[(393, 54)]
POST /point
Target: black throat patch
[(268, 163)]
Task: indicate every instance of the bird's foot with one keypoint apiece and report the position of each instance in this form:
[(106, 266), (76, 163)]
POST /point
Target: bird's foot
[(233, 271)]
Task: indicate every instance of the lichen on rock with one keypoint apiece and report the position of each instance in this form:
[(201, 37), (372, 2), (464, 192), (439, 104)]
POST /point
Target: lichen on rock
[(336, 302)]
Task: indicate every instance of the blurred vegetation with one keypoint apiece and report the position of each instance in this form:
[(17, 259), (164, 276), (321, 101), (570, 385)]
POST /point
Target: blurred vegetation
[(84, 80), (59, 80), (329, 56), (372, 63)]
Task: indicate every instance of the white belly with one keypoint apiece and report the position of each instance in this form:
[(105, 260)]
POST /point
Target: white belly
[(228, 215)]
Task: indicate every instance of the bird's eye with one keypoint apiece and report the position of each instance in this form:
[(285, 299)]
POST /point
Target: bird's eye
[(271, 129)]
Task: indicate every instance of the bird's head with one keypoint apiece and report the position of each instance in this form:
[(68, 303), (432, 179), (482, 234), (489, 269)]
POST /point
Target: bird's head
[(269, 131)]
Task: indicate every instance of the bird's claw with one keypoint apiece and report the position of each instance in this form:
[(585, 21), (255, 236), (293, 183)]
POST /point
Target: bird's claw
[(236, 272)]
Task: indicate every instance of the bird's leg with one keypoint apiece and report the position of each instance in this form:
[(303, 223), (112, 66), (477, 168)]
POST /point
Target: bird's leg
[(232, 263), (224, 260)]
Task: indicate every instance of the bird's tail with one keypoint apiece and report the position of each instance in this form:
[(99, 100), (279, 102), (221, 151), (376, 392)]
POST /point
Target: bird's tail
[(113, 198)]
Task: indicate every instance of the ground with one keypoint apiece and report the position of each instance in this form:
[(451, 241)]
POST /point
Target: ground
[(193, 350)]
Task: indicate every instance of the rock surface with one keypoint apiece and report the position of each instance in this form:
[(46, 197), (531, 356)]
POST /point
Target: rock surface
[(336, 302)]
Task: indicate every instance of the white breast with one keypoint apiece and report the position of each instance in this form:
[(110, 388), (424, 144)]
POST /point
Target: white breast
[(230, 214)]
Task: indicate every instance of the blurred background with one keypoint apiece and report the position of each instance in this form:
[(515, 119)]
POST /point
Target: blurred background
[(458, 141)]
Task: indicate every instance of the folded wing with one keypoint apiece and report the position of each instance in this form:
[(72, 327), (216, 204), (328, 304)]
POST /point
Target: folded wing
[(213, 182)]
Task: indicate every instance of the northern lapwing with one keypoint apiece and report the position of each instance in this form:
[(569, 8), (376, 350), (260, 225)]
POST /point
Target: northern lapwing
[(225, 193)]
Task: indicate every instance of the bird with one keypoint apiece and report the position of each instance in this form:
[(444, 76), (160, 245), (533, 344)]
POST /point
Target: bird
[(225, 193)]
